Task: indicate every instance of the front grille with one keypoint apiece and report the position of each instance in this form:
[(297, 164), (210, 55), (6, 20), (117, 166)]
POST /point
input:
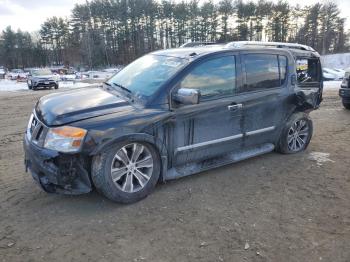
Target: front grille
[(46, 81), (36, 131)]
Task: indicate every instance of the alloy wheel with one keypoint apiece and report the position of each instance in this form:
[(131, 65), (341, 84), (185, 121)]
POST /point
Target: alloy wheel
[(132, 167), (298, 135)]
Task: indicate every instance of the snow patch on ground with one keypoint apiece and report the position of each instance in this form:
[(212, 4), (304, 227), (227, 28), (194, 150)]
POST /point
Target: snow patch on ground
[(331, 85), (320, 158), (9, 85)]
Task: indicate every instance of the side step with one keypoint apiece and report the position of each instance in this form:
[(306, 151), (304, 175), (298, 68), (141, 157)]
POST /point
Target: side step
[(193, 168)]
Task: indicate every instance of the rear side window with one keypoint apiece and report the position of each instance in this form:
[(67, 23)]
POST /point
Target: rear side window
[(308, 71), (264, 71), (213, 78)]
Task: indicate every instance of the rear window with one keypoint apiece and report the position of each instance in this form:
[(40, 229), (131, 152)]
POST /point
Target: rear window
[(264, 71)]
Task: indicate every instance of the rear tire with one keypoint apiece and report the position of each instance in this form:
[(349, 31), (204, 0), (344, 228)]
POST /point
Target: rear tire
[(296, 134), (56, 86), (123, 174), (346, 104)]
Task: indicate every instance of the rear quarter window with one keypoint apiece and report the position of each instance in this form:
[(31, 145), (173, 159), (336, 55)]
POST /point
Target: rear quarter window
[(264, 71)]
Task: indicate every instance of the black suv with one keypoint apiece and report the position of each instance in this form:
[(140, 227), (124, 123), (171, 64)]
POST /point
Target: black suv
[(173, 113), (344, 91)]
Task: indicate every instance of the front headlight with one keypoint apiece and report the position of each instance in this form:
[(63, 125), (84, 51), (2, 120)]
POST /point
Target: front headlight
[(65, 139)]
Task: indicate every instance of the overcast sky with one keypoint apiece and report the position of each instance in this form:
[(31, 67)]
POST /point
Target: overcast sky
[(28, 15)]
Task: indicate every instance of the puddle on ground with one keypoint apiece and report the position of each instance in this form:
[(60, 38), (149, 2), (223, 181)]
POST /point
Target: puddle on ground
[(320, 158)]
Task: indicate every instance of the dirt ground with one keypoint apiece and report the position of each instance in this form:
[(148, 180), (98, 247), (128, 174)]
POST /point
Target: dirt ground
[(269, 208)]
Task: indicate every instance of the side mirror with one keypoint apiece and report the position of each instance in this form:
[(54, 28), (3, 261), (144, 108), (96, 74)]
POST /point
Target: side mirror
[(187, 96)]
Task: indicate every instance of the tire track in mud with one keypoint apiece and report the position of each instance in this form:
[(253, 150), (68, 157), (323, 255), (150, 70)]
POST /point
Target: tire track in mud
[(309, 203), (11, 138)]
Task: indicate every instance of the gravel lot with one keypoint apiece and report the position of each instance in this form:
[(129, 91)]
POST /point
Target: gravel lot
[(269, 208)]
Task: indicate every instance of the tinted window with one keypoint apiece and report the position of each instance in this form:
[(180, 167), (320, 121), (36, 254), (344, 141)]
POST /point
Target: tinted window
[(215, 77), (262, 71)]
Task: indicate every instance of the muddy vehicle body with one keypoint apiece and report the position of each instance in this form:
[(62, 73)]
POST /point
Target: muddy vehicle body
[(344, 91), (173, 113)]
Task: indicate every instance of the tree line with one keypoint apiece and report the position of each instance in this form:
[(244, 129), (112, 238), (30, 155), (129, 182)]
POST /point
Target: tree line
[(111, 32)]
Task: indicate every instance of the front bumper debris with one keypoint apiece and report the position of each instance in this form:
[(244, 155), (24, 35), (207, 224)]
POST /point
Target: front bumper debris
[(56, 172)]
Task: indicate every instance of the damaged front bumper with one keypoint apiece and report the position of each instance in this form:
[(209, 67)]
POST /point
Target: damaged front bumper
[(56, 172)]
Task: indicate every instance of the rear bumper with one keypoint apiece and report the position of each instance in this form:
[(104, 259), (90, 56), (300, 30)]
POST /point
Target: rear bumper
[(344, 93), (56, 172)]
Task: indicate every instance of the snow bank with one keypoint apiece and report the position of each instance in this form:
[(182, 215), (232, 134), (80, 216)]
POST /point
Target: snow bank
[(9, 85), (340, 61), (331, 85)]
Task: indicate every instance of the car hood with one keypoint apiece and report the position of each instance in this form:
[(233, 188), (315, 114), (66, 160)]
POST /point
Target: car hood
[(67, 107), (43, 77)]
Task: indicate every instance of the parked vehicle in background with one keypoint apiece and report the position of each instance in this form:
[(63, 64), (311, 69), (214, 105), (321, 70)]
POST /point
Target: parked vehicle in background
[(173, 113), (340, 71), (16, 74), (102, 75), (2, 72), (69, 77), (330, 74), (42, 78), (344, 91)]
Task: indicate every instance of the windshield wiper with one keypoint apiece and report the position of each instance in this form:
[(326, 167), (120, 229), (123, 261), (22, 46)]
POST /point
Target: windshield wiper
[(122, 87)]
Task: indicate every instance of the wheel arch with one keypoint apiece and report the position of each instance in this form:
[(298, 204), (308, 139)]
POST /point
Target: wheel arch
[(140, 137)]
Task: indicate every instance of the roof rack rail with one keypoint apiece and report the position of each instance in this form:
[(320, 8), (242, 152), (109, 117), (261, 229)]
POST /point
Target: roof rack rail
[(238, 44), (197, 44)]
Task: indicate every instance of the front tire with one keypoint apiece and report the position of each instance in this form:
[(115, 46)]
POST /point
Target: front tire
[(296, 134), (56, 86), (346, 104), (126, 172)]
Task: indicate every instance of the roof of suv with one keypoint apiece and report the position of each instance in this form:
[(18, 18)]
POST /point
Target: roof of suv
[(194, 52)]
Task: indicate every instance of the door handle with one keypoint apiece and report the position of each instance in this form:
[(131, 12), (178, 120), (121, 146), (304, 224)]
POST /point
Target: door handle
[(235, 107)]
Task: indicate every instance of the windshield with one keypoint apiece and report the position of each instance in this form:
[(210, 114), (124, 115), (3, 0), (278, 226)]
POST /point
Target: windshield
[(41, 72), (144, 76)]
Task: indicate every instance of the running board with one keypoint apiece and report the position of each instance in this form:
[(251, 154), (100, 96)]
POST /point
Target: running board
[(193, 168)]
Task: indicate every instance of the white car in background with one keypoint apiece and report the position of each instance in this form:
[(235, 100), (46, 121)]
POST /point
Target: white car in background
[(97, 75), (340, 71), (15, 74), (2, 73), (330, 74)]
